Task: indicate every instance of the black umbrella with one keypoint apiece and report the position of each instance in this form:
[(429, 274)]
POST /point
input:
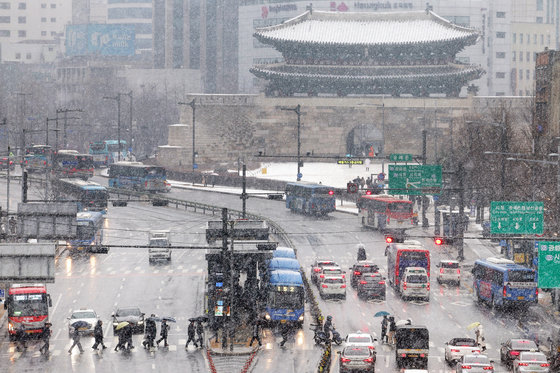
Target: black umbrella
[(202, 318), (168, 318), (154, 318), (80, 324)]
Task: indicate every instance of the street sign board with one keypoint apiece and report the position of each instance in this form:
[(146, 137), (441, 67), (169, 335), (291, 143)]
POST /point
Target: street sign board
[(512, 217), (396, 157), (549, 264), (350, 161), (414, 179)]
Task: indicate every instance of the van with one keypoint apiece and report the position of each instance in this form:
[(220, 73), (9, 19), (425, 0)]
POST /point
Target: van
[(412, 346), (159, 245), (415, 283)]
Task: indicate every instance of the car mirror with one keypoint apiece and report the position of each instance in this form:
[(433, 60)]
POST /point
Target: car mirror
[(491, 361), (113, 314)]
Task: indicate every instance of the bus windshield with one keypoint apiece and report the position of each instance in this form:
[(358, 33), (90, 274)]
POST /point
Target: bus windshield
[(114, 147), (400, 207), (95, 195), (97, 146), (286, 297), (28, 305), (85, 231)]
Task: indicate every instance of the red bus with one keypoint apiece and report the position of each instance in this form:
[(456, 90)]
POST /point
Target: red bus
[(403, 255), (27, 305), (386, 213), (70, 163)]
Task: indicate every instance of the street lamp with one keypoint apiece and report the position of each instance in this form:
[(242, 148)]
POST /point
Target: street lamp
[(297, 110), (191, 104)]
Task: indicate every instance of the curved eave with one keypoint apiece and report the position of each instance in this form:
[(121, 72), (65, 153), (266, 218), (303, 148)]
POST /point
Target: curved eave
[(471, 72)]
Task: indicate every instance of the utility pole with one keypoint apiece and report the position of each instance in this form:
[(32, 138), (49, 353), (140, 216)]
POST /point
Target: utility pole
[(297, 110), (244, 195), (118, 99), (65, 111), (192, 105), (129, 94), (22, 115), (461, 228), (503, 149), (425, 223)]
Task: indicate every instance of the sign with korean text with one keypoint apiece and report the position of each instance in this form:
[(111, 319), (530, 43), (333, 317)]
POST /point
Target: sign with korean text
[(549, 264), (350, 161), (414, 179), (397, 157), (511, 217)]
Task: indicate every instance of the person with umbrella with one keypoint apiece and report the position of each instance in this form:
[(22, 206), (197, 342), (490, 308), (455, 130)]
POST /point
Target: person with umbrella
[(190, 334), (127, 337), (285, 331), (384, 324), (256, 333), (392, 330), (76, 338), (480, 340), (120, 334), (200, 333), (45, 336), (98, 335), (163, 333), (151, 331)]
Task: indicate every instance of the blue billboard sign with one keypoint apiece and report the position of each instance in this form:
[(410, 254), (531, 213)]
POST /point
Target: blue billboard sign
[(100, 39)]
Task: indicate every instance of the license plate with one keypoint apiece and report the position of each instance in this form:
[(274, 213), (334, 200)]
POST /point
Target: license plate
[(400, 221), (520, 298), (282, 321), (412, 355)]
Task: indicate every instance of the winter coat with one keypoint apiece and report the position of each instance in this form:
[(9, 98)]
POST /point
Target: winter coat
[(191, 330)]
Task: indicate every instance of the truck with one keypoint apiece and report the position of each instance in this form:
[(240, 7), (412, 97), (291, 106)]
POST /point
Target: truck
[(159, 243), (412, 346)]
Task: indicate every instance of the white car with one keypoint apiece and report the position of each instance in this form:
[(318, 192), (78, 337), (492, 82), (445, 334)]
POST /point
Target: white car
[(332, 270), (456, 348), (332, 286), (449, 271), (360, 339), (475, 363), (415, 283), (316, 268), (88, 316), (531, 362)]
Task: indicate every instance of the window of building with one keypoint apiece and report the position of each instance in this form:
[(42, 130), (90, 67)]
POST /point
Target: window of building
[(542, 39), (22, 20), (539, 4), (4, 5), (520, 56), (528, 55), (53, 6), (501, 35), (22, 33), (51, 49), (520, 38), (527, 74), (53, 33), (513, 56), (22, 6), (539, 20), (520, 74), (528, 39), (514, 38), (500, 75), (43, 6), (548, 40), (5, 19), (53, 19), (535, 39), (500, 54), (500, 94), (28, 56), (534, 56), (18, 56), (4, 33), (500, 14), (43, 33), (43, 19)]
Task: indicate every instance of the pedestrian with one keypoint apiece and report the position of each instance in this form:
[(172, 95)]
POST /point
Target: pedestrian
[(362, 183), (190, 334), (127, 331), (480, 340), (361, 252), (285, 331), (163, 333), (21, 338), (151, 330), (76, 337), (13, 225), (98, 335), (256, 334), (327, 327), (392, 330), (200, 333), (121, 341), (45, 337), (384, 324)]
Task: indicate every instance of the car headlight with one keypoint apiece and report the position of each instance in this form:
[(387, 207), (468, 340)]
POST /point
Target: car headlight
[(10, 326), (140, 322), (300, 318), (267, 316)]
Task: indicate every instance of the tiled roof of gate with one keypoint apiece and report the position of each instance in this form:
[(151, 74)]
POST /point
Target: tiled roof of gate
[(350, 28)]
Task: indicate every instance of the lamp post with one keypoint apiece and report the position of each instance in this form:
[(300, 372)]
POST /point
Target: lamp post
[(297, 110), (193, 107), (118, 99)]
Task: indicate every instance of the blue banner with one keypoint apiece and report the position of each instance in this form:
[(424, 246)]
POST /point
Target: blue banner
[(100, 39)]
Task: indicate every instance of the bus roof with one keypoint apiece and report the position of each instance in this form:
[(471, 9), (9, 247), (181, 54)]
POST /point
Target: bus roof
[(88, 185), (406, 247), (283, 263), (284, 252), (135, 164), (89, 215), (385, 198), (27, 288), (307, 184), (113, 142), (502, 265), (285, 277)]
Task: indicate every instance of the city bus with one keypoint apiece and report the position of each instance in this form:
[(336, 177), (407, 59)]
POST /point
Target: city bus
[(388, 214), (106, 152), (27, 305), (137, 176), (70, 163), (501, 282), (89, 233), (88, 195), (307, 198), (403, 255), (285, 301), (38, 158)]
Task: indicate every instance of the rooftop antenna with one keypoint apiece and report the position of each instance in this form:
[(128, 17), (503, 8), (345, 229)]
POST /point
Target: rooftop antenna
[(429, 8), (310, 8)]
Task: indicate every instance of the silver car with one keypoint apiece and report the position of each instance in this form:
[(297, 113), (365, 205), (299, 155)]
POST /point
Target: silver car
[(531, 362), (475, 363), (88, 317), (333, 286)]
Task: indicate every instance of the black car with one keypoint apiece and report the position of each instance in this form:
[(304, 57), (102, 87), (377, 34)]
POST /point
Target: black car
[(361, 267), (132, 315), (371, 285), (511, 349)]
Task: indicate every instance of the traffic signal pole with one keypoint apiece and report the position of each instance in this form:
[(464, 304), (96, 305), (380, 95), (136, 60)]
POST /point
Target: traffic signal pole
[(461, 227), (425, 223)]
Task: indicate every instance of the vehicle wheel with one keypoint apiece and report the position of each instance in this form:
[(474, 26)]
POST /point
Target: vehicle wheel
[(439, 281), (458, 283), (321, 295)]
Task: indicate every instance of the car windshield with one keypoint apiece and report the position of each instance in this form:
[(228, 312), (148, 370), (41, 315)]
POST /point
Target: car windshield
[(372, 279), (449, 265), (356, 351), (476, 359), (158, 243), (128, 312), (464, 342), (334, 280), (325, 264), (523, 345), (532, 356), (366, 268), (417, 279), (332, 271), (359, 339), (83, 315)]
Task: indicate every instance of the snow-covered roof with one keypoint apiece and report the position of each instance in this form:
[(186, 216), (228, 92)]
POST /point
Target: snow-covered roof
[(348, 28)]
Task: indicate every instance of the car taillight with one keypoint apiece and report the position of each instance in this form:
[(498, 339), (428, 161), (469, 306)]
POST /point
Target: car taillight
[(381, 282), (422, 355), (344, 360), (316, 269), (428, 286), (324, 286), (363, 282), (388, 220), (441, 270), (488, 368), (514, 353), (322, 276), (453, 350), (465, 367), (404, 285), (343, 276), (521, 364), (357, 273), (343, 286), (73, 169), (403, 355), (371, 347), (45, 163), (145, 183), (368, 360), (545, 365), (536, 292), (505, 291), (458, 271)]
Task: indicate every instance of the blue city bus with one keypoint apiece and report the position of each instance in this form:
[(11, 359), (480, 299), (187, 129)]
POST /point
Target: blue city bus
[(88, 195), (89, 233), (284, 252), (283, 263), (106, 152), (403, 255), (38, 158), (285, 301), (307, 198), (501, 282), (137, 176)]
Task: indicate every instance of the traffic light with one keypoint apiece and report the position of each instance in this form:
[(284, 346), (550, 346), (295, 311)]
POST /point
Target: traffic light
[(439, 241), (389, 239), (331, 192)]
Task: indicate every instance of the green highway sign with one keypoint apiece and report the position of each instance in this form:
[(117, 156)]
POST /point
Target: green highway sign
[(414, 179), (549, 264), (511, 217), (396, 157)]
